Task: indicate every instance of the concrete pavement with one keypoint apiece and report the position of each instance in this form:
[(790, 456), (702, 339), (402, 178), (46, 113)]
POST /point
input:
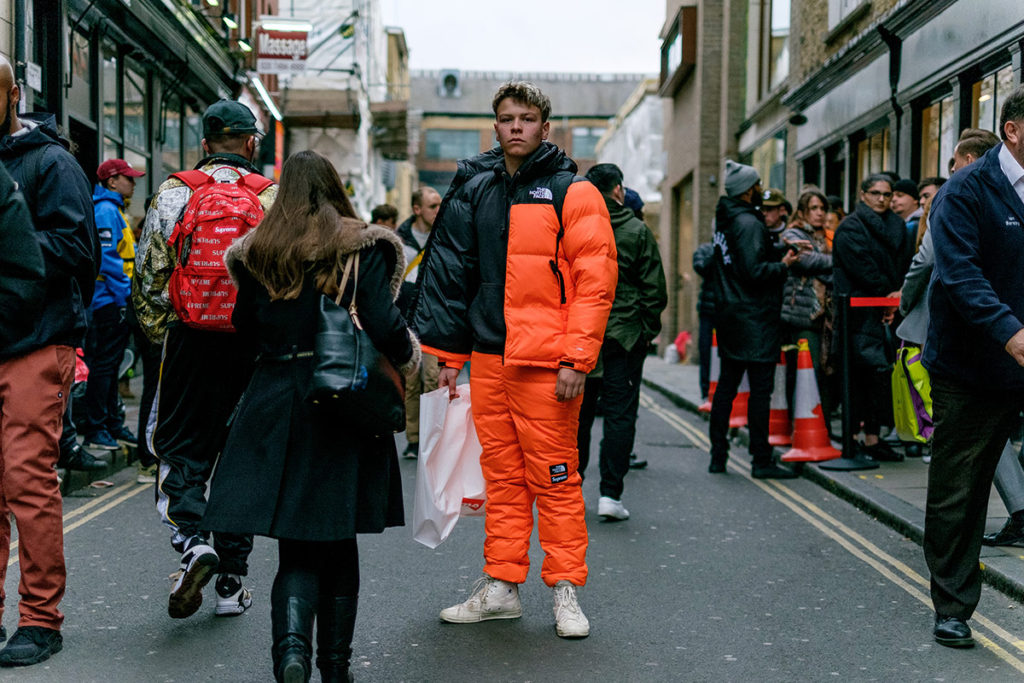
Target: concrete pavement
[(895, 493)]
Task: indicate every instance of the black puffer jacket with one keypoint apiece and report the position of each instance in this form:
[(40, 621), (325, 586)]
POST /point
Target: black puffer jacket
[(871, 253), (59, 199), (22, 284), (704, 265), (747, 284)]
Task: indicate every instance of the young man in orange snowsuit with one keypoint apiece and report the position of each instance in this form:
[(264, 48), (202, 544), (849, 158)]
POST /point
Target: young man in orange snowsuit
[(519, 277)]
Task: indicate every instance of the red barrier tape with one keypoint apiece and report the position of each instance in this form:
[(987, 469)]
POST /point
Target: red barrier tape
[(873, 301)]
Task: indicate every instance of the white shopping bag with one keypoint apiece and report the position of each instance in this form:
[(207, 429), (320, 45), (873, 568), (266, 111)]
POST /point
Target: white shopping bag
[(448, 477)]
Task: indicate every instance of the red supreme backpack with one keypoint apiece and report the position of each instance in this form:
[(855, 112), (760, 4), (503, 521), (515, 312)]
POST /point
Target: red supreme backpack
[(217, 213)]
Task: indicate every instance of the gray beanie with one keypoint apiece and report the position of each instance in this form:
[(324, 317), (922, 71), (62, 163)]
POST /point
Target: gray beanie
[(739, 178)]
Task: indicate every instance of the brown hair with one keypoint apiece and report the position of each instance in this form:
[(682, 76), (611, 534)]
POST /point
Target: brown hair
[(525, 93), (301, 228)]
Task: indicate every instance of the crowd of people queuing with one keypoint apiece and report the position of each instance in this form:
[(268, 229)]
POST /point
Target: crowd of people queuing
[(950, 251)]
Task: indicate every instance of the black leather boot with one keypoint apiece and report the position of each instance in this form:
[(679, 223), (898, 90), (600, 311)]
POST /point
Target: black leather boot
[(292, 628), (335, 624)]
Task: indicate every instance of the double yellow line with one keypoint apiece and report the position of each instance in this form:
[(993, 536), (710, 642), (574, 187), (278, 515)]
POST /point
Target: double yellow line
[(888, 566), (91, 510)]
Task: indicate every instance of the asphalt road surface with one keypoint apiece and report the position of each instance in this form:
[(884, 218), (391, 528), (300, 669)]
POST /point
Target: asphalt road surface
[(714, 578)]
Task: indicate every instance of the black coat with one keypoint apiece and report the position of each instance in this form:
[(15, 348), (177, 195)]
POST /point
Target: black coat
[(704, 265), (288, 471), (59, 199), (748, 280), (22, 284), (871, 253)]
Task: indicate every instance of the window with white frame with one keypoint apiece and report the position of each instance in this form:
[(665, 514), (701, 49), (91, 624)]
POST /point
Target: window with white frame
[(838, 10)]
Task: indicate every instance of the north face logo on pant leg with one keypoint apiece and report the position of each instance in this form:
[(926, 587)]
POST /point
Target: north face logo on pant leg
[(559, 472)]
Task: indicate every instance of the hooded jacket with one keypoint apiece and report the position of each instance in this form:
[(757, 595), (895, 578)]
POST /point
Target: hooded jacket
[(977, 288), (704, 265), (640, 294), (22, 273), (502, 275), (871, 253), (113, 286), (58, 198), (748, 279)]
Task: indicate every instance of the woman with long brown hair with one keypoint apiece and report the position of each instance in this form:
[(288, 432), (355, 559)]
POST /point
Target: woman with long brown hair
[(288, 471)]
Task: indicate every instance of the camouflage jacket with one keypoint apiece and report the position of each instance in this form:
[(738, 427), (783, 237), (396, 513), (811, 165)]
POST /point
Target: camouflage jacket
[(156, 259)]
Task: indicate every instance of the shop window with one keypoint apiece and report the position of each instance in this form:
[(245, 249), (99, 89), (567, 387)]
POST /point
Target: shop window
[(136, 131), (987, 97), (139, 162), (79, 98), (193, 138), (172, 137), (938, 137), (584, 142), (769, 158), (872, 154), (452, 144), (111, 91)]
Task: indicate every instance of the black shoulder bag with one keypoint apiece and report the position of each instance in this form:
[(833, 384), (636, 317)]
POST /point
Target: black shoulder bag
[(351, 379)]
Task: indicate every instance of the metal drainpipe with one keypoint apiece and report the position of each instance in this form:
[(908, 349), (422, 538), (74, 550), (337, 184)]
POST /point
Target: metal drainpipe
[(20, 40), (895, 45)]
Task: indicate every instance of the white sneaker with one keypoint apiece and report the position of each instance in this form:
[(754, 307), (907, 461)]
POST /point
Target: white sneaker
[(612, 509), (196, 569), (232, 597), (491, 599), (570, 621)]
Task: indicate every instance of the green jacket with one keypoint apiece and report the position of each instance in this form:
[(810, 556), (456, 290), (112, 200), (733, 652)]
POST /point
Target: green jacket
[(640, 295)]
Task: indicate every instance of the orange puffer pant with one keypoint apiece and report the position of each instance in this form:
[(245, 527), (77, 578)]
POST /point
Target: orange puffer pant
[(529, 454)]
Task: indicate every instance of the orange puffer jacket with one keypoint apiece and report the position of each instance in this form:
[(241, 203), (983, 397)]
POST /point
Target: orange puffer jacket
[(502, 275)]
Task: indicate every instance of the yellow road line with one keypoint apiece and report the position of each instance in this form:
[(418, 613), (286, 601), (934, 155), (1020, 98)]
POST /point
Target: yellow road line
[(845, 537), (108, 498)]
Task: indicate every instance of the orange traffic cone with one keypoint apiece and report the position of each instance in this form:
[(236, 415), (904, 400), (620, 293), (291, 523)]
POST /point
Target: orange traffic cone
[(738, 416), (780, 428), (810, 436), (716, 370)]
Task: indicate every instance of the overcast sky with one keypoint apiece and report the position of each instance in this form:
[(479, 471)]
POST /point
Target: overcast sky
[(530, 35)]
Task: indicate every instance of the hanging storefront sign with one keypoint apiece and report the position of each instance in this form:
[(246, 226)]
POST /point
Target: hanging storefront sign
[(280, 51)]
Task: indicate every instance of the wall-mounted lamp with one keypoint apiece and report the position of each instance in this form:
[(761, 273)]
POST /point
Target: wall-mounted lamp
[(229, 20), (244, 46)]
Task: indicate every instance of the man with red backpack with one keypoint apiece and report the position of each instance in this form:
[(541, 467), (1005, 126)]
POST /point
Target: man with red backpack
[(183, 298)]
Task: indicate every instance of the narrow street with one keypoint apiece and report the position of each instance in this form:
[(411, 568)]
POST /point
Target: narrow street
[(713, 578)]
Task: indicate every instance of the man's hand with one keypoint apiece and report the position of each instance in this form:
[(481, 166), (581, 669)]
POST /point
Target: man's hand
[(790, 257), (1015, 347), (446, 378), (569, 384), (889, 312)]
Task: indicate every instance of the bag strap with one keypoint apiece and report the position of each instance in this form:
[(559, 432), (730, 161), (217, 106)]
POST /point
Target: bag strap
[(353, 310), (412, 264)]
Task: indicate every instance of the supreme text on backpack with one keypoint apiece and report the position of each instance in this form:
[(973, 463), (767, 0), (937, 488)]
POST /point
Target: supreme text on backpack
[(217, 213)]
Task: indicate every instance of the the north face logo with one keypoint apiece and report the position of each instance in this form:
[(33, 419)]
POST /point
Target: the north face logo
[(542, 193)]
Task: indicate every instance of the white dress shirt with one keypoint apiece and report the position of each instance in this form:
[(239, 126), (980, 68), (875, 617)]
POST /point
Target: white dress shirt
[(1012, 170)]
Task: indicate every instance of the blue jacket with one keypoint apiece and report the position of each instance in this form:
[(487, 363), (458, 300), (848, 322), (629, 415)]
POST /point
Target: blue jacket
[(977, 287), (113, 286)]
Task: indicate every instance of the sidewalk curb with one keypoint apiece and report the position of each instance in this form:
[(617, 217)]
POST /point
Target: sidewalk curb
[(897, 514)]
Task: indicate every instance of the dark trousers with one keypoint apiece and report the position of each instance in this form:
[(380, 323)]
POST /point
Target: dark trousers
[(619, 389), (705, 336), (871, 398), (202, 378), (150, 354), (761, 377), (107, 339), (971, 428)]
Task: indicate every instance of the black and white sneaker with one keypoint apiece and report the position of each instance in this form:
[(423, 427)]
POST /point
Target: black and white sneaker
[(232, 597), (198, 563)]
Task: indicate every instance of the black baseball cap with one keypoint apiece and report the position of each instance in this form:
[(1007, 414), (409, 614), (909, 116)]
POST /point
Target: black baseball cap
[(228, 117)]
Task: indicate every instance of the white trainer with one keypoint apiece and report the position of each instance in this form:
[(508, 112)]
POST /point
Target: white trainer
[(570, 622), (491, 599), (612, 509)]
